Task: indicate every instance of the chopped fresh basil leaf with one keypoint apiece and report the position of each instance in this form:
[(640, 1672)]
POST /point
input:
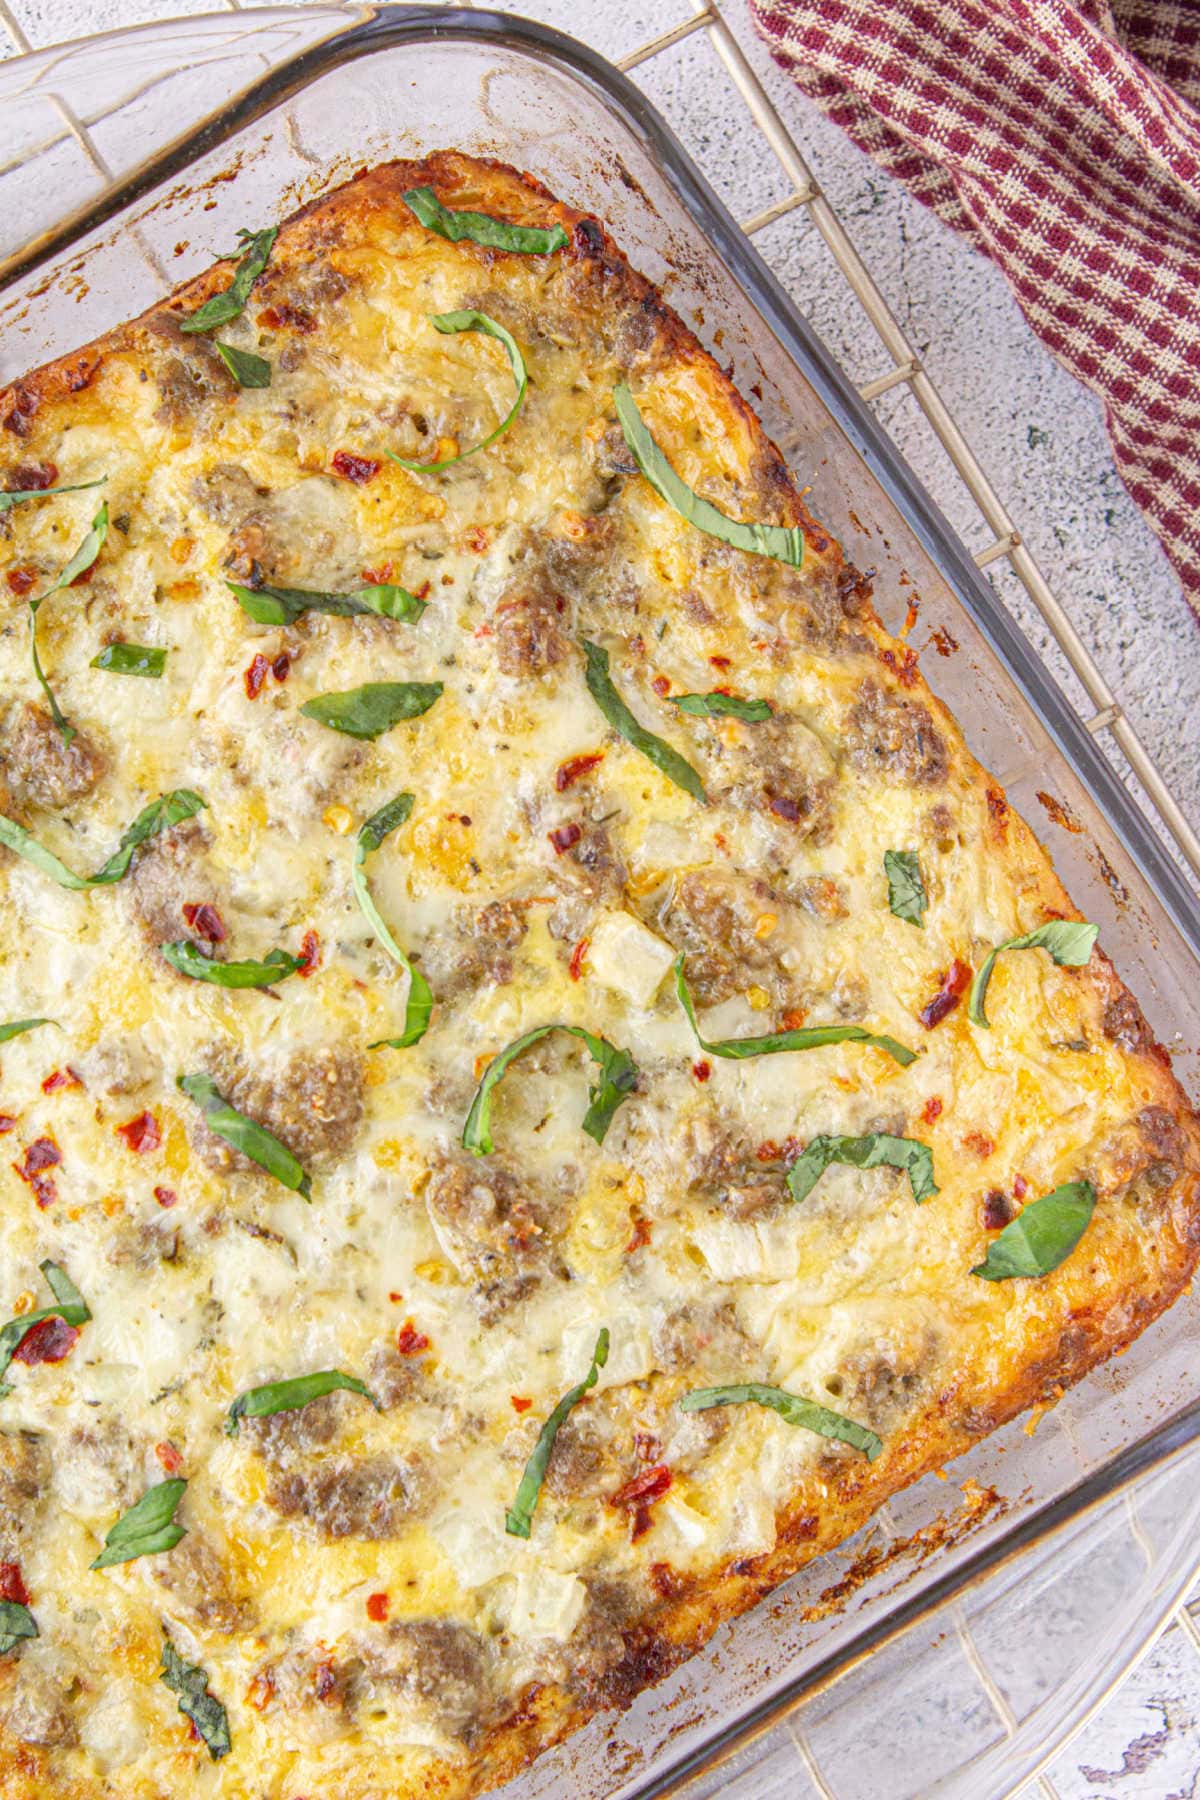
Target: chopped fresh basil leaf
[(78, 565), (248, 370), (618, 1078), (189, 959), (288, 1396), (11, 497), (1068, 941), (246, 1135), (807, 1037), (18, 1027), (784, 543), (161, 814), (792, 1408), (667, 760), (71, 1307), (16, 1624), (481, 228), (864, 1153), (367, 712), (283, 606), (189, 1683), (131, 659), (722, 706), (419, 1003), (1042, 1235), (452, 322), (518, 1520), (254, 249), (147, 1528), (906, 890)]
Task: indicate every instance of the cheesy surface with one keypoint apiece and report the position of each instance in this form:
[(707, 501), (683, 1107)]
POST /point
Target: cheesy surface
[(346, 1581)]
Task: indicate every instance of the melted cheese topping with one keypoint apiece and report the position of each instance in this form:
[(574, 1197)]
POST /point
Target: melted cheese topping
[(346, 1581)]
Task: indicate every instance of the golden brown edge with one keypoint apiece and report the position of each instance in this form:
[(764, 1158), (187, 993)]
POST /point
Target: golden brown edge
[(684, 1619)]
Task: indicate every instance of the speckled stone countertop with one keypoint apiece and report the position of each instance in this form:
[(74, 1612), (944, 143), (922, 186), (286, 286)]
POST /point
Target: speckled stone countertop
[(1042, 441)]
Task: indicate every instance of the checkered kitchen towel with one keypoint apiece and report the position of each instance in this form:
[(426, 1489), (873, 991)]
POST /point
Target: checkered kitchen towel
[(1063, 138)]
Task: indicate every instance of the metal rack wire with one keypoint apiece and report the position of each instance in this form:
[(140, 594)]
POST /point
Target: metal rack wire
[(905, 369)]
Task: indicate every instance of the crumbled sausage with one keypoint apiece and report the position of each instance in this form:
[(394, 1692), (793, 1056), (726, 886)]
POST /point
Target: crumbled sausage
[(115, 1067), (477, 950), (1125, 1024), (490, 1227), (198, 1582), (889, 735), (439, 1665), (527, 623), (781, 769), (39, 769), (188, 371), (713, 916), (702, 1337), (24, 1479), (581, 1461), (311, 1100), (36, 1710), (282, 1436), (393, 1378), (317, 1694), (369, 1497), (168, 873), (227, 494), (883, 1385), (589, 877)]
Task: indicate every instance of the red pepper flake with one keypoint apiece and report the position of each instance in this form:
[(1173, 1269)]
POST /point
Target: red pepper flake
[(354, 468), (11, 1585), (141, 1134), (661, 686), (166, 1197), (576, 766), (410, 1341), (7, 1123), (475, 539), (640, 1236), (60, 1078), (204, 921), (169, 1457), (254, 678), (287, 318), (564, 837), (931, 1110), (261, 1691), (41, 1155), (793, 1018), (720, 662), (981, 1145), (83, 578), (954, 984), (575, 966), (787, 1152), (21, 579), (310, 955), (702, 1070), (383, 574), (377, 1607), (638, 1494), (395, 1298), (281, 668), (519, 1403), (1020, 1186), (32, 478), (784, 807), (49, 1341), (998, 1210)]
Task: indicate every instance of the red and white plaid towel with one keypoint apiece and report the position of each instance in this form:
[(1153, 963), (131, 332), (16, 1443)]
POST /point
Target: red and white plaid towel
[(1063, 138)]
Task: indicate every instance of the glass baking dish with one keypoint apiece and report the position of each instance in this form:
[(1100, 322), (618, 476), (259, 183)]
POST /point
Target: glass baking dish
[(952, 1645)]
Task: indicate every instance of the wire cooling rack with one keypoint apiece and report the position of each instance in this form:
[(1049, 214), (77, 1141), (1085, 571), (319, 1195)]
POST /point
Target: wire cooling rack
[(904, 369)]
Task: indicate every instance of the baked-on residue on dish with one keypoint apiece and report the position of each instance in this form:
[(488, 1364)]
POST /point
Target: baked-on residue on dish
[(503, 1118)]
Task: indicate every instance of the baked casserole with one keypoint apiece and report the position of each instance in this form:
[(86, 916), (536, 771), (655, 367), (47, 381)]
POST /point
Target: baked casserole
[(541, 1082)]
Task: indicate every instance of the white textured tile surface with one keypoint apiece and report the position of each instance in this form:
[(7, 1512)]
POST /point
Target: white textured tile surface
[(1042, 440)]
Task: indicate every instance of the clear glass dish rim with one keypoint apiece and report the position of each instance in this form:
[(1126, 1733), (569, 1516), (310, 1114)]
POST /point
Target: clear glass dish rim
[(372, 29)]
